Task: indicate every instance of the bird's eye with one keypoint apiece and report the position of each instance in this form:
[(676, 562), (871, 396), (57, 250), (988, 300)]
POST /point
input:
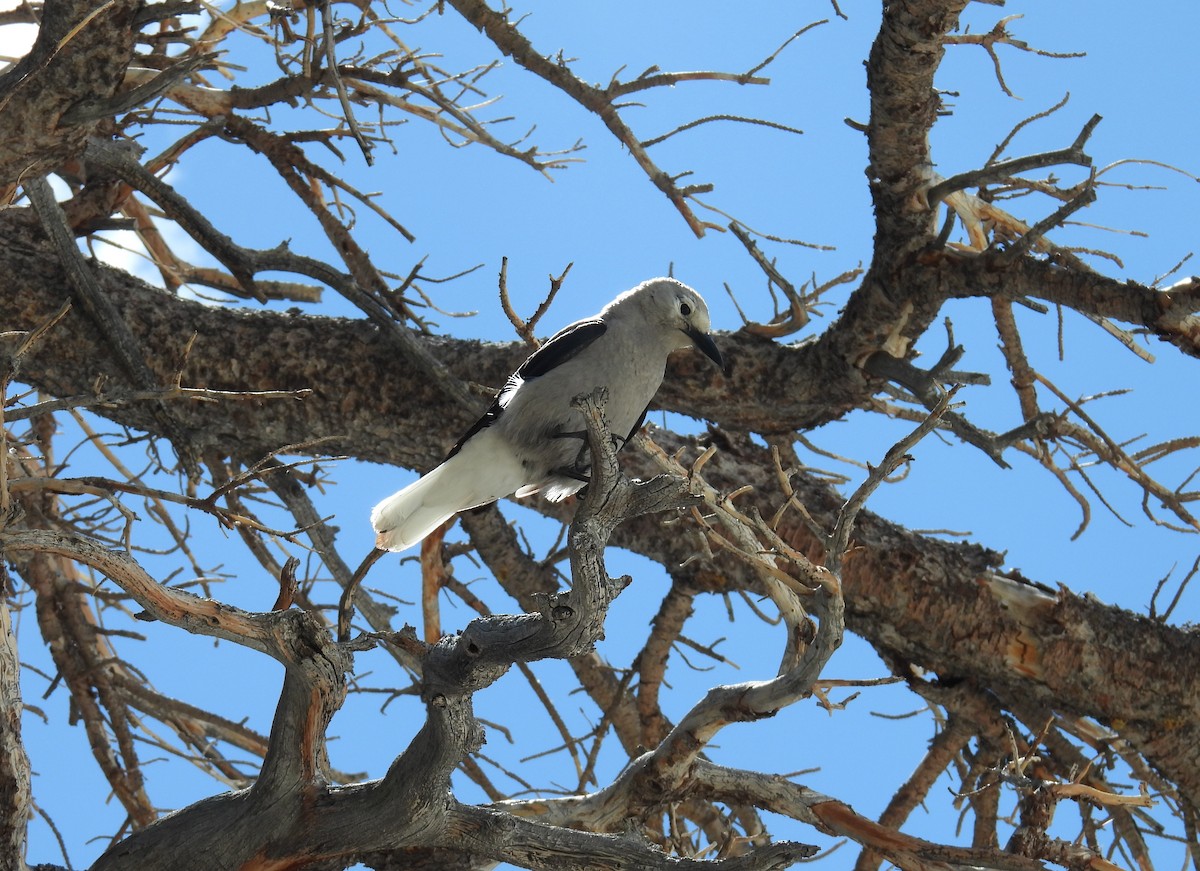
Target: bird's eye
[(685, 309)]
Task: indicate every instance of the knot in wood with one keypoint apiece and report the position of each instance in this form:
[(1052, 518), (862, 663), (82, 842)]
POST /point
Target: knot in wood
[(476, 737)]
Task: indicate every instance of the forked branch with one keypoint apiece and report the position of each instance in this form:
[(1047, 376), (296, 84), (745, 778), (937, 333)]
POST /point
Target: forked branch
[(600, 101)]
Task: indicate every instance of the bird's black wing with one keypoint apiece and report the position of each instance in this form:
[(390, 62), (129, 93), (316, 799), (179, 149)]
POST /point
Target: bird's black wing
[(560, 348), (641, 420)]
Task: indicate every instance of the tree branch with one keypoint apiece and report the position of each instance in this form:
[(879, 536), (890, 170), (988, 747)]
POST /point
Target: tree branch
[(512, 43), (1073, 154), (15, 792), (91, 299)]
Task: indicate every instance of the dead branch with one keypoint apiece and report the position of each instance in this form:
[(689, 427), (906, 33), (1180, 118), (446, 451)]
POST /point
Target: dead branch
[(647, 143), (999, 35), (512, 42), (839, 536), (15, 792), (926, 387), (1073, 154), (104, 315), (796, 317), (329, 44), (108, 400)]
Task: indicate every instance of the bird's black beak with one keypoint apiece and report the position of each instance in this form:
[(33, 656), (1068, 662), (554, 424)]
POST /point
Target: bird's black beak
[(705, 343)]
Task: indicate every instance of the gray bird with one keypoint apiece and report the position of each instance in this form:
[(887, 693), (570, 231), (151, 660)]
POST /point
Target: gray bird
[(530, 440)]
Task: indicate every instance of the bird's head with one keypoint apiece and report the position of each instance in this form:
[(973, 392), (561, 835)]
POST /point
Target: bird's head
[(679, 311)]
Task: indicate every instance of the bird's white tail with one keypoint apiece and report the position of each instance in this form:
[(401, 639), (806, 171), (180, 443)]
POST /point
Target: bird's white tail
[(482, 472)]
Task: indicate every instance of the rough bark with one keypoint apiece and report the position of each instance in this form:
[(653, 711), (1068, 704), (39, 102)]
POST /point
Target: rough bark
[(77, 62), (904, 590), (14, 762)]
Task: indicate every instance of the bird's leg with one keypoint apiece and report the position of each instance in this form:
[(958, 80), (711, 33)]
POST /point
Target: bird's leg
[(577, 434), (618, 442), (581, 464)]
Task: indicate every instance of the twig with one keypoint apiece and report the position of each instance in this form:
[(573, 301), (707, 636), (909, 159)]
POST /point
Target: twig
[(346, 601), (556, 283), (1085, 197), (647, 143), (925, 386), (999, 35), (839, 538), (1166, 615), (326, 7), (1072, 154), (95, 485), (656, 78), (62, 844), (816, 246), (1036, 116), (799, 33), (512, 42), (1106, 448), (288, 585), (523, 327), (797, 316), (108, 400)]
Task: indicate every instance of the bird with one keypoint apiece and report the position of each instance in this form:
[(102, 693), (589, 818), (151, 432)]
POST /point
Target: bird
[(530, 440)]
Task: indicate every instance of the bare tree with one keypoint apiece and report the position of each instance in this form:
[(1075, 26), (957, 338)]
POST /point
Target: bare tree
[(1041, 698)]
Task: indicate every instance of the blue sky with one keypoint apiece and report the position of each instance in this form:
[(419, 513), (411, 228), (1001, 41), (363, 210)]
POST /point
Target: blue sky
[(469, 206)]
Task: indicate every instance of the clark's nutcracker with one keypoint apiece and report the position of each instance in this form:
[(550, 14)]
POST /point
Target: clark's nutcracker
[(531, 439)]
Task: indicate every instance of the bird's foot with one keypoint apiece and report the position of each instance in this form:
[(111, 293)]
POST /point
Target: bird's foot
[(573, 473), (618, 442)]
